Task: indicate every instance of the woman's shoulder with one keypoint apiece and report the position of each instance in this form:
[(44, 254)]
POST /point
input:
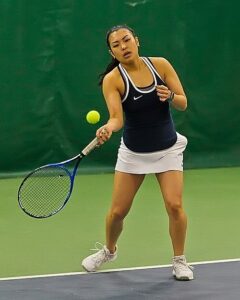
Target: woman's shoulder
[(161, 64), (112, 76), (113, 79), (158, 60)]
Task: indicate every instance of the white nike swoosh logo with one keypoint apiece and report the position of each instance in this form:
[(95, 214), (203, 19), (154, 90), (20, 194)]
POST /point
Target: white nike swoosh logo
[(135, 98)]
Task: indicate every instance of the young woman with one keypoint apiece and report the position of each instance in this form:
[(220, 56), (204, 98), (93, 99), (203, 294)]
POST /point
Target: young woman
[(143, 89)]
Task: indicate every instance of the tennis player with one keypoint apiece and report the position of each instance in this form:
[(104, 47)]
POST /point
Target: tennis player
[(142, 89)]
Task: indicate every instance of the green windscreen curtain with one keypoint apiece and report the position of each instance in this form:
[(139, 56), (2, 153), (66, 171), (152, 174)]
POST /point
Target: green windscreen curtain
[(51, 53)]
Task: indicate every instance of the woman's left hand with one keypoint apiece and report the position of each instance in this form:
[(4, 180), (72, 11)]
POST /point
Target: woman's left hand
[(163, 92)]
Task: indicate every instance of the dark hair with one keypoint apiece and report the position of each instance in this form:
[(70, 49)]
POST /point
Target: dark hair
[(114, 62)]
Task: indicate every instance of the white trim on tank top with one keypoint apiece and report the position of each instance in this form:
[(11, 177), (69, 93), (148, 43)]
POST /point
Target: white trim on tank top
[(128, 78), (152, 68), (125, 81)]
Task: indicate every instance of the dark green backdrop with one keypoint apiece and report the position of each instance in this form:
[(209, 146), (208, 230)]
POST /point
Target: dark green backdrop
[(51, 52)]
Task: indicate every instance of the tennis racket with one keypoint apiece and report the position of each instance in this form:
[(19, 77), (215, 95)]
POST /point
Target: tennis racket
[(47, 189)]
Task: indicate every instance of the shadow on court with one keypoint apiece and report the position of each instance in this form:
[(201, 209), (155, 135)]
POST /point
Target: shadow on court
[(218, 281)]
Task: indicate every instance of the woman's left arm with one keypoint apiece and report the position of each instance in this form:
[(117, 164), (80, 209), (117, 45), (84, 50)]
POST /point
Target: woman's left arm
[(174, 87)]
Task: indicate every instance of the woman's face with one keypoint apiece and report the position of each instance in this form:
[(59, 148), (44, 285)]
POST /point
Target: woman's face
[(123, 45)]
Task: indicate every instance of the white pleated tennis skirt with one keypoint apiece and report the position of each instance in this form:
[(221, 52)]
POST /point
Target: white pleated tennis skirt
[(151, 162)]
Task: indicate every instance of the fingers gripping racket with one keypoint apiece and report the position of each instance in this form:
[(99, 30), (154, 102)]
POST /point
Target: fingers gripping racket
[(46, 190)]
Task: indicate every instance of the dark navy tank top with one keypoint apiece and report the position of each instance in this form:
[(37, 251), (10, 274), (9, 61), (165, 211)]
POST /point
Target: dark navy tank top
[(148, 122)]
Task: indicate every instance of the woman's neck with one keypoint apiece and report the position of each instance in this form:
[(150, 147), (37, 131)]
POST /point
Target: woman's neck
[(134, 65)]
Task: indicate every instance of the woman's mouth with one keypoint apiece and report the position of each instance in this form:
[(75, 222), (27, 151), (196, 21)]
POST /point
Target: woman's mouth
[(127, 54)]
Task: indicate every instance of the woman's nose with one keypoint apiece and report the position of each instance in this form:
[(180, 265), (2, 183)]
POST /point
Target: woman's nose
[(123, 46)]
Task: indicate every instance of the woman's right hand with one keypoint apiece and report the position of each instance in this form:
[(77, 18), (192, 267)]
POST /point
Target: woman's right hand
[(104, 133)]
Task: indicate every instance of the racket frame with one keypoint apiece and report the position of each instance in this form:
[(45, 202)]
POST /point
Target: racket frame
[(92, 145)]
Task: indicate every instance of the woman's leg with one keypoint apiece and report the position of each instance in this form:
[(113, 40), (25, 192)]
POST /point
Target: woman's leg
[(124, 189), (171, 184)]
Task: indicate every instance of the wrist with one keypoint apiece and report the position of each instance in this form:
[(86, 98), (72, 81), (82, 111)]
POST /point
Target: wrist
[(171, 98), (114, 124)]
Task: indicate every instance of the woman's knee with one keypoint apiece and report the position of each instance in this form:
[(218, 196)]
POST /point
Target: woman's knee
[(175, 209), (117, 214)]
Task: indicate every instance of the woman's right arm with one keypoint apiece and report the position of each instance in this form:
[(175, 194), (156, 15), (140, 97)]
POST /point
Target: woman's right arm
[(113, 100)]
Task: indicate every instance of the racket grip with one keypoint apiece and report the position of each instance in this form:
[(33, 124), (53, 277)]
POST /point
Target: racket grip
[(90, 146)]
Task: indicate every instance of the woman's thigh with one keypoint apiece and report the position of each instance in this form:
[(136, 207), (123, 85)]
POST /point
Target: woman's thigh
[(125, 188), (171, 184)]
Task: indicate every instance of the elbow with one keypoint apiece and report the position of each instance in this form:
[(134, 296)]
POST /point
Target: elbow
[(181, 107), (184, 107), (180, 102)]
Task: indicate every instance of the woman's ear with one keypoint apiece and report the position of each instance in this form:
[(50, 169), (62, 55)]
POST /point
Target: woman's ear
[(137, 41), (111, 53)]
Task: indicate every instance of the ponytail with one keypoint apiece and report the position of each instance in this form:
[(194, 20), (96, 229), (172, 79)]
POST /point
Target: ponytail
[(114, 63)]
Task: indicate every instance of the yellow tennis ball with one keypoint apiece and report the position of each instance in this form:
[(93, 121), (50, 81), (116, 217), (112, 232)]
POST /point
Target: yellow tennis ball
[(93, 117)]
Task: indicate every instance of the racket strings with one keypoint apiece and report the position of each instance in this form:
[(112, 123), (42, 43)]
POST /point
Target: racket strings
[(45, 191)]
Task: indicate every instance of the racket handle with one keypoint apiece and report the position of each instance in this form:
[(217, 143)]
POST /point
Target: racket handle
[(90, 146)]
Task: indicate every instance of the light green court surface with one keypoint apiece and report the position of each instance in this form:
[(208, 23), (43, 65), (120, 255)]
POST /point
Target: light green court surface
[(58, 244)]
